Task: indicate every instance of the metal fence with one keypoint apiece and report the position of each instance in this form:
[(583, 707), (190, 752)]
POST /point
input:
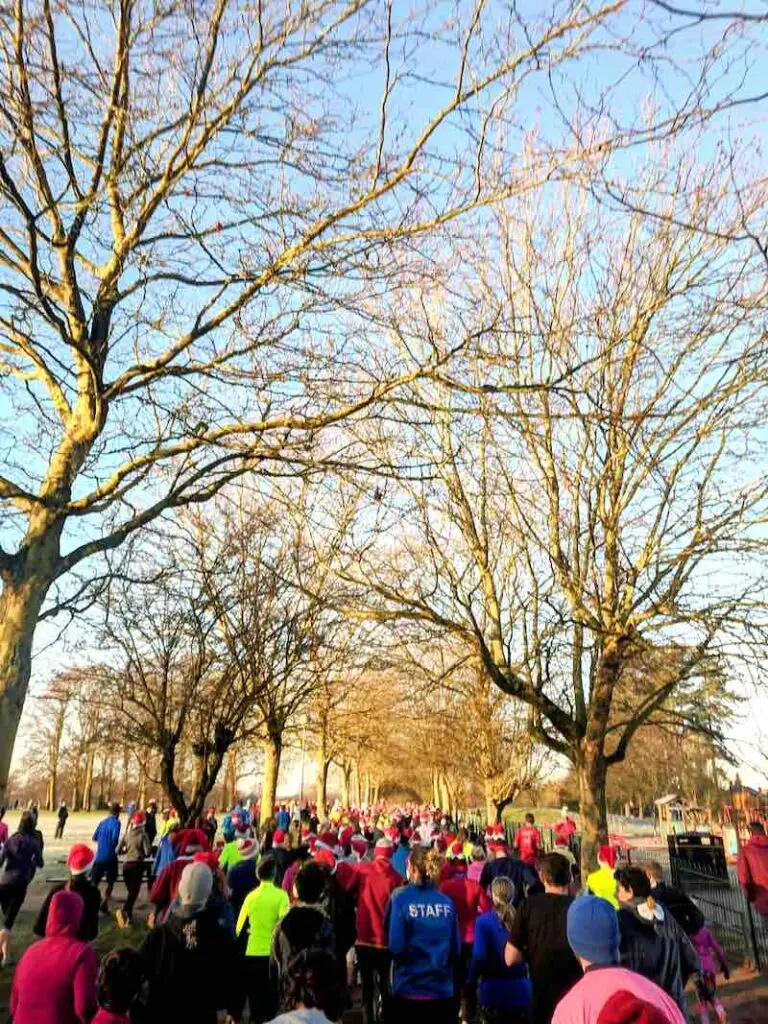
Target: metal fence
[(742, 933)]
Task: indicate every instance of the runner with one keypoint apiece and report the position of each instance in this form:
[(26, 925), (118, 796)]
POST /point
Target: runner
[(20, 858), (376, 881), (752, 867), (712, 957), (56, 977), (79, 864), (538, 936), (528, 842), (467, 896), (105, 866), (425, 946), (120, 979), (261, 911), (504, 993), (652, 942), (607, 992), (137, 848), (602, 882), (189, 962), (61, 821)]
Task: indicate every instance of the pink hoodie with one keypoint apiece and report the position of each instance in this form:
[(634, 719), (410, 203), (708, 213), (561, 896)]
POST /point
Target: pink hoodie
[(710, 952), (55, 981)]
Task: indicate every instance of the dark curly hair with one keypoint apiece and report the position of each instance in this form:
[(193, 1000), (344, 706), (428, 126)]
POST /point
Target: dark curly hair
[(313, 981), (120, 978)]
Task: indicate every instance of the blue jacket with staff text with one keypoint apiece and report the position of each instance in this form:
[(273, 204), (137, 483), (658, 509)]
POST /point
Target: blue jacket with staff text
[(424, 942)]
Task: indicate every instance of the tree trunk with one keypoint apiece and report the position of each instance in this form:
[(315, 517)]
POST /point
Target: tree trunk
[(490, 803), (591, 772), (346, 776), (435, 790), (141, 800), (50, 794), (124, 787), (321, 786), (273, 748), (230, 780), (88, 784), (20, 606), (365, 796), (356, 785), (444, 803)]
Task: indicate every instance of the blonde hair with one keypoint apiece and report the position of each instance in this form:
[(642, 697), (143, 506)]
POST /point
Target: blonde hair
[(426, 864), (502, 895)]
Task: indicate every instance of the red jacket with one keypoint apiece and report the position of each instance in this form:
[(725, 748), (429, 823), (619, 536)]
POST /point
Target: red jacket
[(55, 981), (166, 887), (376, 881), (467, 896), (752, 867), (528, 844)]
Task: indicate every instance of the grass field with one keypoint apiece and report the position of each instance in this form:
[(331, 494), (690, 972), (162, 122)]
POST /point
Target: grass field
[(80, 828)]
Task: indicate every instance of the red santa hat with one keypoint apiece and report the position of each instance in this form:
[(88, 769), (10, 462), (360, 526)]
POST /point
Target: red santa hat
[(190, 841), (247, 848), (607, 855), (208, 857), (441, 844), (312, 840), (384, 847), (456, 851), (139, 818), (345, 837), (359, 845), (450, 838), (624, 1007), (278, 837), (329, 838), (325, 856), (80, 859), (393, 833)]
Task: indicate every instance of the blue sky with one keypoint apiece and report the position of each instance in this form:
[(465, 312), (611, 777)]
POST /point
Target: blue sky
[(628, 89)]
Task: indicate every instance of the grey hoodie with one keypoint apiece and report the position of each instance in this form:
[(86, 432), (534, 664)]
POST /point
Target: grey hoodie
[(135, 844)]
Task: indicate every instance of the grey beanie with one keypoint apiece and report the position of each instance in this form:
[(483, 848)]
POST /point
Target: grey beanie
[(195, 886)]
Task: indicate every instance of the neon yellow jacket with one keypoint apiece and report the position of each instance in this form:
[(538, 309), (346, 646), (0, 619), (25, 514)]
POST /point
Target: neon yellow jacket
[(602, 883), (262, 909), (230, 856)]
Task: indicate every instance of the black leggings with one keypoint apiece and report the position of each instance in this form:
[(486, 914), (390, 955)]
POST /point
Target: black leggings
[(373, 962), (133, 873), (11, 902)]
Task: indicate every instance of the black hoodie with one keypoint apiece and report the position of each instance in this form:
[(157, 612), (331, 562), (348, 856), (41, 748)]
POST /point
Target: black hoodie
[(653, 944)]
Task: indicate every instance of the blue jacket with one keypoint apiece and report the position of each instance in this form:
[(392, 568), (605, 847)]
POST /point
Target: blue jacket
[(283, 820), (164, 856), (424, 942), (501, 987), (106, 837), (400, 859)]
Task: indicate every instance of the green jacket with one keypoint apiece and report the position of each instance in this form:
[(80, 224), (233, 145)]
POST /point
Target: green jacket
[(262, 909)]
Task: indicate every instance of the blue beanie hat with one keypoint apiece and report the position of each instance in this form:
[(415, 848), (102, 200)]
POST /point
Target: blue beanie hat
[(593, 930)]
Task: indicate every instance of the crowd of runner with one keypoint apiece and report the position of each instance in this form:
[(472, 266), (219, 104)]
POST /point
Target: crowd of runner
[(437, 925)]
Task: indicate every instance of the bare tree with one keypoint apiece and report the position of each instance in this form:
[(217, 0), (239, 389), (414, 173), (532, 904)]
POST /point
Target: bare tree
[(197, 209), (564, 533)]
